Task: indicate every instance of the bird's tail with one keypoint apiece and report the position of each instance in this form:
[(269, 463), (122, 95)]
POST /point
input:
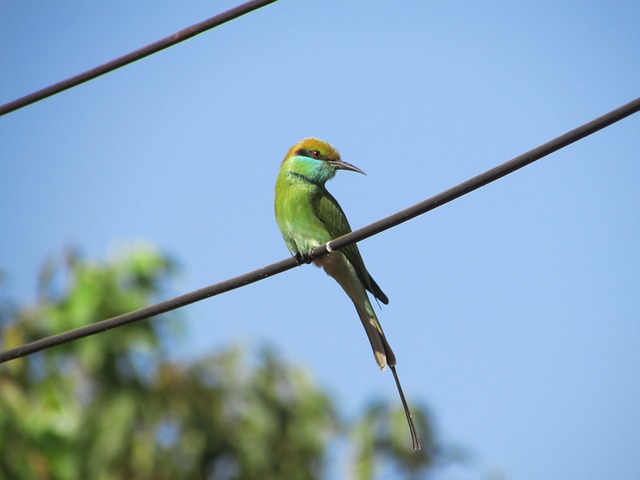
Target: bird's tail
[(381, 349), (384, 356)]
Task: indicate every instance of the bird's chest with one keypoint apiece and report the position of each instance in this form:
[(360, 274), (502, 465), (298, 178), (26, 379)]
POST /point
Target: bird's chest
[(299, 222)]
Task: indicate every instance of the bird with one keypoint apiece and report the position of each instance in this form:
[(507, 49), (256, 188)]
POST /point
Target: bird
[(308, 216)]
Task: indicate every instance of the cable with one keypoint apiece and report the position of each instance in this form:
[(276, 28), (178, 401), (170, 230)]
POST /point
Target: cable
[(150, 49), (341, 242), (484, 178)]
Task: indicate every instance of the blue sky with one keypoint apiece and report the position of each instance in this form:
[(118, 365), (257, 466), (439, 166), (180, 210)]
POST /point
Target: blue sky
[(514, 313)]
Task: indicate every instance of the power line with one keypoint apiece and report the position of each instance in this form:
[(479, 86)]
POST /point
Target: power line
[(341, 242), (485, 178), (138, 54)]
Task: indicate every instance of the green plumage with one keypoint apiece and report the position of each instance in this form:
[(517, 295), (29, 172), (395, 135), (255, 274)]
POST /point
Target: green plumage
[(308, 216)]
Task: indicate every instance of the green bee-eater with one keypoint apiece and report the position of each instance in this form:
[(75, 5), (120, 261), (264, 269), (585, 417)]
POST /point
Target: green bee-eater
[(308, 216)]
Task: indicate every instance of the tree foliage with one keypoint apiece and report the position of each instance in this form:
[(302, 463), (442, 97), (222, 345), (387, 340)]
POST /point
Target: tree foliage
[(116, 406)]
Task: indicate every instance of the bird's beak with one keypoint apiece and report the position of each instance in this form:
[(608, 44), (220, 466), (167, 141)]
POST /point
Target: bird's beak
[(340, 165)]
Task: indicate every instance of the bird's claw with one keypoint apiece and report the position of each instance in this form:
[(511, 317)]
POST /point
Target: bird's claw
[(308, 257), (303, 258)]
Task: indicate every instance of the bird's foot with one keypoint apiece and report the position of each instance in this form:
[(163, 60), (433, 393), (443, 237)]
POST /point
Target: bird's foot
[(303, 258)]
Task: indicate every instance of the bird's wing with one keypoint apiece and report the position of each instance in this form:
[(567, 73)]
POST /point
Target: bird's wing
[(330, 213)]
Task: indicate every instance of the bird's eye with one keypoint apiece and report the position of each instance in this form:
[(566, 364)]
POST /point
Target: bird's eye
[(315, 154)]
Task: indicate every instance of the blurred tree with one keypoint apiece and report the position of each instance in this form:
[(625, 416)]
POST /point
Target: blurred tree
[(114, 406)]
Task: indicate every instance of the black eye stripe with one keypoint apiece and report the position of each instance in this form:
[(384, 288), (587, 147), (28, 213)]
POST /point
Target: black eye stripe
[(309, 153)]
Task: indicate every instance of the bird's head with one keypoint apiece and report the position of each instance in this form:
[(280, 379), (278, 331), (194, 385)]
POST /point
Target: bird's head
[(316, 160)]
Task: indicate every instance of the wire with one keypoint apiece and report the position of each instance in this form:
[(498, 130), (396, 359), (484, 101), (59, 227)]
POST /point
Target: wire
[(138, 54), (484, 178), (341, 242)]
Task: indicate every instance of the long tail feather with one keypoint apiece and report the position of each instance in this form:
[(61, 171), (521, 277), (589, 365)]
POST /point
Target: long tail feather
[(385, 356), (412, 428)]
